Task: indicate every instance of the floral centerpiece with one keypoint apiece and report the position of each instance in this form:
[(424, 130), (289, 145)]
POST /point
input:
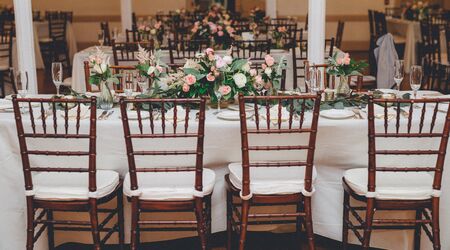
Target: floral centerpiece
[(101, 76), (153, 31), (416, 10), (343, 67), (272, 73), (279, 34), (258, 15), (221, 34), (151, 66)]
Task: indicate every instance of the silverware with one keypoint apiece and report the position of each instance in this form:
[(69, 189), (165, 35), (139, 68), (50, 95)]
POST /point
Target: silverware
[(358, 114), (103, 115), (108, 115)]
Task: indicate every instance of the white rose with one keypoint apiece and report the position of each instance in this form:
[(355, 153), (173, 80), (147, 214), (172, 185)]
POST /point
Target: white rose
[(240, 80), (268, 71), (100, 68), (153, 31), (151, 70), (228, 59), (246, 67)]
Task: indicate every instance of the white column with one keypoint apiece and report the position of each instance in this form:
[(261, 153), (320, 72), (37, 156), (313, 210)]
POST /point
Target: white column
[(271, 8), (126, 11), (25, 42), (316, 31)]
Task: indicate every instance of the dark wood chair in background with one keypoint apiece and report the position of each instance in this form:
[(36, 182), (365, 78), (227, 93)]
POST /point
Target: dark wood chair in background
[(180, 50), (339, 34), (117, 70), (447, 38), (439, 78), (401, 187), (6, 41), (150, 188), (125, 53), (54, 47), (65, 188), (256, 49), (290, 182), (104, 27)]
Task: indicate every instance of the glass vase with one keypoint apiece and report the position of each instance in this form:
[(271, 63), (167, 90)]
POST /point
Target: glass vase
[(105, 99), (343, 88)]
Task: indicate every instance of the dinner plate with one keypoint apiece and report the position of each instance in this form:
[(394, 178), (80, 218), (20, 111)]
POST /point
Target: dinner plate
[(230, 115), (248, 107), (337, 114)]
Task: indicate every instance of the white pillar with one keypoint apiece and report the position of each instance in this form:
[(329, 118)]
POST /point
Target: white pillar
[(271, 8), (25, 42), (126, 11), (316, 31)]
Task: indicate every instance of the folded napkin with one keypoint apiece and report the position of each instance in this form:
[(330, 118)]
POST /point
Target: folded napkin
[(181, 114), (274, 114)]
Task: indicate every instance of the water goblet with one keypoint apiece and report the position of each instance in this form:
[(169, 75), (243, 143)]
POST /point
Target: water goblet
[(399, 73), (57, 75), (415, 78)]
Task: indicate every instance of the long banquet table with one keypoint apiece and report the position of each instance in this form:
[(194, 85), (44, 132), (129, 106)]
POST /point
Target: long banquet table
[(341, 145)]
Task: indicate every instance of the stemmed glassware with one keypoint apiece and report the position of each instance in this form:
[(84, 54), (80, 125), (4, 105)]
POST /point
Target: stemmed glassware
[(314, 79), (101, 38), (308, 76), (416, 78), (399, 73), (128, 86), (21, 78), (219, 98), (57, 75)]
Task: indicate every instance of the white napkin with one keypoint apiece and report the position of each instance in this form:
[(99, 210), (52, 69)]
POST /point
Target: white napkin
[(181, 114), (274, 114), (72, 113)]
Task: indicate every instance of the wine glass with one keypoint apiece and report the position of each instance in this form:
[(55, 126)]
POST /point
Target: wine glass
[(22, 83), (128, 86), (314, 79), (57, 75), (308, 76), (415, 78), (399, 72), (219, 97), (101, 38)]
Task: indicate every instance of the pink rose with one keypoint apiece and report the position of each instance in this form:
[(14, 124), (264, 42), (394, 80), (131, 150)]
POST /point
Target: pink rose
[(186, 88), (269, 60), (253, 72), (225, 90), (219, 27), (220, 33), (190, 79), (346, 59), (209, 51), (213, 27), (339, 61), (194, 30), (211, 57), (210, 77), (263, 66), (220, 63), (259, 79)]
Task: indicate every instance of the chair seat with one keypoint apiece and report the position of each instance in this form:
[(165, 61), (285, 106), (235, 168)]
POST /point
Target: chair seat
[(392, 186), (271, 180), (45, 40), (72, 186), (67, 82), (168, 186)]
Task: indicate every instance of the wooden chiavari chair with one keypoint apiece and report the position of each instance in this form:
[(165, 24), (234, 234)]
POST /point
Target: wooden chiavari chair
[(431, 41), (283, 21), (36, 15), (439, 79), (65, 188), (55, 45), (126, 52), (150, 189), (181, 50), (6, 40), (104, 26), (403, 186), (256, 49), (246, 188), (289, 39), (447, 38), (68, 15), (339, 34), (116, 70)]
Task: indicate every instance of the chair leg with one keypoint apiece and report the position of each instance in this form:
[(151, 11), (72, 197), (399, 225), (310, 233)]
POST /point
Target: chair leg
[(417, 230), (134, 223), (2, 84), (50, 231), (30, 223), (308, 223), (300, 220), (244, 223), (94, 223), (435, 224), (370, 211), (346, 218), (120, 218), (201, 223), (209, 217), (229, 218)]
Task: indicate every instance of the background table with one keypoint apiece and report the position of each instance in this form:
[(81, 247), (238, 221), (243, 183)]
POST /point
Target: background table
[(341, 145)]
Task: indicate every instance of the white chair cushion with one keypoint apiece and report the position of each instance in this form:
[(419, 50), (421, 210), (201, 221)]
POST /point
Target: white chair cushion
[(271, 180), (67, 82), (169, 186), (72, 186), (392, 186)]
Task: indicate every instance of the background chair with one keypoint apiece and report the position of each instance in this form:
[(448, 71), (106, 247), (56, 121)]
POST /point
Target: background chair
[(125, 53), (181, 50), (6, 40)]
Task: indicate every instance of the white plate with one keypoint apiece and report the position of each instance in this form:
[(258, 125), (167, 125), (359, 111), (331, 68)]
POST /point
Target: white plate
[(230, 115), (337, 114), (235, 107)]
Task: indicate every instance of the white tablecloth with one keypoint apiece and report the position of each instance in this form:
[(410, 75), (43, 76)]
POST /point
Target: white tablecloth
[(78, 79), (410, 32), (41, 31), (341, 145)]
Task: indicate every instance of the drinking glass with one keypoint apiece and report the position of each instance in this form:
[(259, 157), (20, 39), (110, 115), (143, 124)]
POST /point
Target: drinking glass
[(22, 83), (219, 97), (101, 38), (128, 85), (308, 76), (415, 78), (57, 75), (399, 73), (314, 80)]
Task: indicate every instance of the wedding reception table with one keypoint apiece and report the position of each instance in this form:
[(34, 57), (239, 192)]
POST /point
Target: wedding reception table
[(409, 33), (341, 145)]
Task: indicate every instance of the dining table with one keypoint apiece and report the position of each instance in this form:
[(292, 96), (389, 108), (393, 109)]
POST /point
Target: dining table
[(342, 144)]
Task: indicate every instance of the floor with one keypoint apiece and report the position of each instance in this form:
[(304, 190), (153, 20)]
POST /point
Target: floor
[(256, 241)]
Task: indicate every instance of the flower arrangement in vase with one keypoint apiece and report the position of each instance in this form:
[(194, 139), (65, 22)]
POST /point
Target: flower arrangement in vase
[(416, 10), (153, 31), (101, 76), (343, 67), (272, 73), (151, 66), (279, 34)]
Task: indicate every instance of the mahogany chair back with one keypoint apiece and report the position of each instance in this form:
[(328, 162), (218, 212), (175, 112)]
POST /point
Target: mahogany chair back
[(295, 123), (67, 15), (126, 52), (57, 26), (104, 26), (339, 34), (411, 129), (447, 40), (282, 21), (6, 41), (439, 79), (116, 70), (256, 49), (44, 124), (430, 48), (182, 49), (183, 125), (380, 24), (291, 34)]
